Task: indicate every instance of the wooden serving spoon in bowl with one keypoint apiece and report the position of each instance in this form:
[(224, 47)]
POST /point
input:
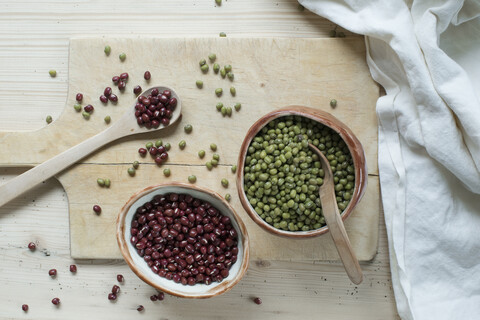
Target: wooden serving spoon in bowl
[(335, 223), (125, 126)]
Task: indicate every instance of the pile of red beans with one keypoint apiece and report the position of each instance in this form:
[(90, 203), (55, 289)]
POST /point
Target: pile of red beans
[(155, 109), (184, 239)]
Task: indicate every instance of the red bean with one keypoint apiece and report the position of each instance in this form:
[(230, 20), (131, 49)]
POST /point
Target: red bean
[(88, 108), (121, 85), (154, 298), (140, 308), (142, 151), (73, 268), (79, 97), (103, 99), (124, 76), (97, 209), (56, 301), (137, 90), (120, 278), (257, 300), (32, 246), (115, 79), (112, 296), (52, 272), (115, 289), (147, 75), (25, 307), (113, 98), (107, 92)]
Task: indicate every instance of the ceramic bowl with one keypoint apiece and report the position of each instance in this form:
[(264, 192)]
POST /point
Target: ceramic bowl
[(327, 119), (140, 267)]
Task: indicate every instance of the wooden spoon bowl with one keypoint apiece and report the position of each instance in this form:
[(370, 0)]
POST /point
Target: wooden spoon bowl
[(328, 120)]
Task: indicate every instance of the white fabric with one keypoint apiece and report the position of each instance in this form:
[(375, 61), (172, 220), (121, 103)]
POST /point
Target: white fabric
[(426, 54)]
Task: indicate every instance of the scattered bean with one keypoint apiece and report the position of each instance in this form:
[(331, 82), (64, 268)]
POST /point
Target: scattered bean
[(214, 162), (25, 307), (216, 156), (77, 107), (229, 111), (153, 297), (52, 73), (122, 85), (209, 165), (213, 146), (228, 197), (188, 128), (107, 119), (142, 151), (333, 103), (107, 50), (113, 98), (158, 143), (131, 171), (147, 75), (137, 90), (120, 278), (52, 272), (230, 76), (107, 183), (225, 183), (149, 145), (199, 84), (201, 154), (204, 68), (202, 62), (86, 115), (216, 67), (49, 119), (212, 57), (222, 34), (140, 308), (182, 144), (219, 106), (161, 296), (101, 182), (103, 99), (166, 172), (122, 56), (234, 168), (218, 2), (233, 91), (223, 73), (223, 110), (73, 268), (257, 300), (32, 246), (237, 106), (167, 146), (192, 179), (79, 97), (228, 68), (115, 79), (96, 208), (88, 108), (112, 296), (56, 301), (218, 92), (115, 289)]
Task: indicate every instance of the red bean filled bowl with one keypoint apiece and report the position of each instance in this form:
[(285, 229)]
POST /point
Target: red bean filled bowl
[(183, 240)]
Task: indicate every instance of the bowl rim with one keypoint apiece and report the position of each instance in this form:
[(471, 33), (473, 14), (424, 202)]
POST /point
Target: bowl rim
[(123, 245), (327, 119)]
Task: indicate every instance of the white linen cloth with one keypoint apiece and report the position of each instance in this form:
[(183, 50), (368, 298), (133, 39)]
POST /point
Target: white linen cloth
[(426, 54)]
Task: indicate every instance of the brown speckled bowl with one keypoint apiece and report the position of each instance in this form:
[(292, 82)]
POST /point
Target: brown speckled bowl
[(327, 119), (140, 267)]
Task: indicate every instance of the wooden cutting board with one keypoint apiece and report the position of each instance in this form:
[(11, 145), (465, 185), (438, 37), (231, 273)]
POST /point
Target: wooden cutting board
[(269, 74)]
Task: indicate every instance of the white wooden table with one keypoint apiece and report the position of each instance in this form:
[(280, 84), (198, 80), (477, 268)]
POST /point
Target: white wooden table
[(33, 39)]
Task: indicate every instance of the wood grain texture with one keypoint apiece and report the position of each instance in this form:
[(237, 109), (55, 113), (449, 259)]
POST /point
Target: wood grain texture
[(33, 39)]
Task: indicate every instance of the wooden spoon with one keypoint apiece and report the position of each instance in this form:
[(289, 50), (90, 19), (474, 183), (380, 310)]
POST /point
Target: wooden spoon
[(125, 126), (335, 223)]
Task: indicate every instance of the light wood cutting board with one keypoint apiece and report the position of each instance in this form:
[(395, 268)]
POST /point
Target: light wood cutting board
[(269, 74)]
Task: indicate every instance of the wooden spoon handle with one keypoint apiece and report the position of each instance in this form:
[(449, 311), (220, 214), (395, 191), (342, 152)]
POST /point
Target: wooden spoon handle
[(340, 238), (18, 185)]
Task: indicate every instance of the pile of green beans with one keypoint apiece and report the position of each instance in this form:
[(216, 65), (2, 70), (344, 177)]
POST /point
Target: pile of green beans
[(283, 176)]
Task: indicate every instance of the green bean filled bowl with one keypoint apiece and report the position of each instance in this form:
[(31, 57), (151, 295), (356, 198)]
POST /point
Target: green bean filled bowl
[(279, 176)]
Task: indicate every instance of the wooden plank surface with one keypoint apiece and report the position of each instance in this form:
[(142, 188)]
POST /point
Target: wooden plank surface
[(33, 39), (269, 73)]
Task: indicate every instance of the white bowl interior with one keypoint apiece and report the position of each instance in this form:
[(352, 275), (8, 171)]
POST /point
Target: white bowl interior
[(170, 284)]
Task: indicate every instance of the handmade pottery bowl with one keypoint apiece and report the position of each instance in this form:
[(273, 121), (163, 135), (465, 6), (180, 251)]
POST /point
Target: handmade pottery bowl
[(140, 267), (328, 120)]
